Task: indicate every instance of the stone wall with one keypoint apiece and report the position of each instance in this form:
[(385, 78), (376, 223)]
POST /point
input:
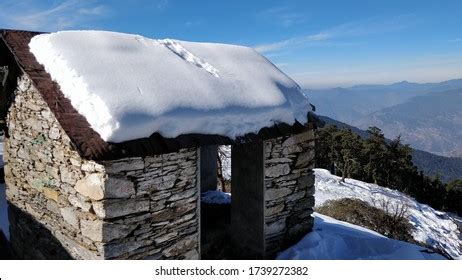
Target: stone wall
[(41, 171), (153, 208), (62, 206), (289, 190), (136, 208)]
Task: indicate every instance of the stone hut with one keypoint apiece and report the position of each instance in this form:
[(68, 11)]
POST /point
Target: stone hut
[(73, 195)]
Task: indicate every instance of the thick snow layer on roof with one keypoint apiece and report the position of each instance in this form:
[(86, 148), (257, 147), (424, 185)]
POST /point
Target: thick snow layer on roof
[(128, 86)]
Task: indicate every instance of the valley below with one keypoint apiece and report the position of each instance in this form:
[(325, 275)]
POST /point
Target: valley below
[(428, 117)]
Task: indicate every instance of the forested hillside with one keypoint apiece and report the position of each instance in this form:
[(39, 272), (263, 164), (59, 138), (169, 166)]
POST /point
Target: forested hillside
[(387, 163), (446, 168)]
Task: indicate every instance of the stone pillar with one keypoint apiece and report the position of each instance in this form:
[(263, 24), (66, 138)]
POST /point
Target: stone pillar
[(272, 194), (289, 190), (208, 168), (247, 213)]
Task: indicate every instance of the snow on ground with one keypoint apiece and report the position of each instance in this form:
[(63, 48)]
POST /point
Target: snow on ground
[(432, 227), (435, 228), (216, 197), (335, 240), (128, 86)]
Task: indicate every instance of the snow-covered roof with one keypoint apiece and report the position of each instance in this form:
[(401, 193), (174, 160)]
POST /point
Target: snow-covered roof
[(128, 86)]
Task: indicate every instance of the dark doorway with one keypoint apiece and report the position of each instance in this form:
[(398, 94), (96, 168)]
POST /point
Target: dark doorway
[(215, 204), (232, 227)]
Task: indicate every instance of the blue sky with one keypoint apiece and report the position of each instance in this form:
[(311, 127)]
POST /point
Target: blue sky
[(318, 43)]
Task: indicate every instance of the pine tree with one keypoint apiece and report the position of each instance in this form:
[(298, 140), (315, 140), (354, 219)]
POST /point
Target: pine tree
[(376, 151)]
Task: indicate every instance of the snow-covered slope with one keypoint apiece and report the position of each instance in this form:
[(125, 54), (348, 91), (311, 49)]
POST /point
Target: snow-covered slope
[(335, 240), (434, 228), (128, 86)]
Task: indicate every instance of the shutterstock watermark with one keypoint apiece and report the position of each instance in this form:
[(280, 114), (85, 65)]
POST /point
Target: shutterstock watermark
[(197, 271), (240, 271)]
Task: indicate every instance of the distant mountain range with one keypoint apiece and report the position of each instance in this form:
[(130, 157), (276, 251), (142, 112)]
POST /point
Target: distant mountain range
[(427, 116), (448, 168)]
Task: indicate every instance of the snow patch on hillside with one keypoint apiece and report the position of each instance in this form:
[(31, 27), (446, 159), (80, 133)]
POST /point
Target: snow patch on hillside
[(434, 228), (128, 86), (335, 240)]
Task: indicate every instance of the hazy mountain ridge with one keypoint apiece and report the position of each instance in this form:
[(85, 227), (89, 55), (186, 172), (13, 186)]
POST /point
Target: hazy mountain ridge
[(448, 168), (427, 116), (432, 122)]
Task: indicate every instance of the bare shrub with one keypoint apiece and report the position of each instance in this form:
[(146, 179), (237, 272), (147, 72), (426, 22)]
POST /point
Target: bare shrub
[(391, 222)]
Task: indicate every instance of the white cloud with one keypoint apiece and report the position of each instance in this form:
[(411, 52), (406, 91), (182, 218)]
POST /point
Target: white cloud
[(161, 4), (347, 30), (29, 14), (282, 15), (193, 23), (96, 11), (292, 42)]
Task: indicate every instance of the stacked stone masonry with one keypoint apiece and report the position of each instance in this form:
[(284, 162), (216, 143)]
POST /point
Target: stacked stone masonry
[(289, 190), (135, 208)]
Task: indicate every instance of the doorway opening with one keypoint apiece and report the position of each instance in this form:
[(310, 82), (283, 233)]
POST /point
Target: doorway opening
[(215, 181), (232, 201)]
